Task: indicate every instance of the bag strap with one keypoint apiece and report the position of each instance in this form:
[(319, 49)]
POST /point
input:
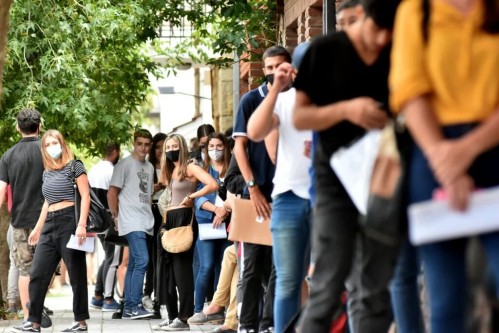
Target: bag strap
[(425, 22), (75, 186)]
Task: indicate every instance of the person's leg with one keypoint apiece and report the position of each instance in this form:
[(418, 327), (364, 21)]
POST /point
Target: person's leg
[(185, 284), (376, 262), (45, 262), (404, 291), (250, 285), (139, 256), (221, 298), (149, 276), (334, 232), (206, 254), (110, 276), (13, 278), (122, 269), (127, 290), (444, 267), (290, 226), (23, 256), (76, 264), (268, 282), (231, 321)]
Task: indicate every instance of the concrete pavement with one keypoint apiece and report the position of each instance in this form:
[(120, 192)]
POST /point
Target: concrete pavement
[(61, 304)]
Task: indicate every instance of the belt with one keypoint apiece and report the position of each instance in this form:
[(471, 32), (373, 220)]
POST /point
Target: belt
[(60, 211)]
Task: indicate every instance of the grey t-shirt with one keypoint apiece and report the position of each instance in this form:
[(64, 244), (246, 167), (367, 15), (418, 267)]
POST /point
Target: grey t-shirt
[(135, 179)]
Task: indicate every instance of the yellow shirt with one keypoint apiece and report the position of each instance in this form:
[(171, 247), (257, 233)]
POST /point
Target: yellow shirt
[(458, 66)]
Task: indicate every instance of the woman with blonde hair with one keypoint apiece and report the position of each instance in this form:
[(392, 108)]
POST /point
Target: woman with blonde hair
[(181, 178), (56, 224)]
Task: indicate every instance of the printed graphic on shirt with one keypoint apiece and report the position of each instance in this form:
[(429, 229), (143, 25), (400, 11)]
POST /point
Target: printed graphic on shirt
[(144, 179)]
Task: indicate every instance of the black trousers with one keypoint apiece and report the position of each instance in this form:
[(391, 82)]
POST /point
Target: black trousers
[(257, 271), (152, 249), (58, 228), (337, 244)]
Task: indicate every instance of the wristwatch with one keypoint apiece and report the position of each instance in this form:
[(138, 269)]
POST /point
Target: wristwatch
[(251, 183)]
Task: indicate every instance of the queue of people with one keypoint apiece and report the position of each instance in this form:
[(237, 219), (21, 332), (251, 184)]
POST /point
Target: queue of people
[(437, 78)]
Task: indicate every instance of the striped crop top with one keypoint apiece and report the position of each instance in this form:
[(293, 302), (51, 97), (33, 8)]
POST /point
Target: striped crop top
[(57, 185)]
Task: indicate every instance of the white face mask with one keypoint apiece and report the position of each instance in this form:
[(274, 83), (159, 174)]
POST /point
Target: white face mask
[(216, 155), (54, 151)]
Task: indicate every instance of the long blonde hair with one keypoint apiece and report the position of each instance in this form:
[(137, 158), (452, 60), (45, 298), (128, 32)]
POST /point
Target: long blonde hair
[(166, 175), (49, 163)]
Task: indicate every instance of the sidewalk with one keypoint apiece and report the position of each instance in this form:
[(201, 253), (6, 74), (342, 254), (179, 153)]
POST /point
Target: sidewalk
[(99, 321)]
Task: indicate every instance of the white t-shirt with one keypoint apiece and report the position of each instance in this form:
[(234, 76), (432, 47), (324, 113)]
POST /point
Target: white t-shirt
[(292, 166), (136, 180), (100, 175)]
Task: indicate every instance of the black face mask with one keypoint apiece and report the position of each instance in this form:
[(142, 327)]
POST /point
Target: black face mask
[(270, 78), (172, 155)]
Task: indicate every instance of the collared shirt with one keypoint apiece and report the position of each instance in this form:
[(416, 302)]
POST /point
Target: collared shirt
[(458, 66)]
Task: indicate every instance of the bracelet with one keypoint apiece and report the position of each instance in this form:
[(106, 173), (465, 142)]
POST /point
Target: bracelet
[(82, 225)]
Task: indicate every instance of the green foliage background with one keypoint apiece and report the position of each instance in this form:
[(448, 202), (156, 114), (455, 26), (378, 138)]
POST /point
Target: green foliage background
[(85, 64)]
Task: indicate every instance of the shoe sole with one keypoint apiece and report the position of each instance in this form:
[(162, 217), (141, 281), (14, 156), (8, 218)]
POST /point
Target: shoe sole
[(215, 321), (134, 317), (95, 306), (176, 329), (109, 310), (46, 322)]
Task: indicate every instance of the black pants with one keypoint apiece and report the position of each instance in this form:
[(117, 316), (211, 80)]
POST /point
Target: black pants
[(152, 249), (175, 270), (58, 228), (257, 271), (335, 233)]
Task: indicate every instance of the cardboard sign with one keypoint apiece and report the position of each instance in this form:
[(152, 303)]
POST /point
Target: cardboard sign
[(245, 226)]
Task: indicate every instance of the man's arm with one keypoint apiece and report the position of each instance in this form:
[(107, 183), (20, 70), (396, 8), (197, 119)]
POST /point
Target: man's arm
[(112, 200), (262, 207), (362, 111), (263, 119), (3, 192)]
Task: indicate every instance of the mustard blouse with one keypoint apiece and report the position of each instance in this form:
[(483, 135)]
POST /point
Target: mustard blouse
[(458, 66)]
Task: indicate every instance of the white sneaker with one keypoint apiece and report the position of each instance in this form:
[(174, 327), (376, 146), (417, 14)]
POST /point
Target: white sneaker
[(147, 302), (160, 326)]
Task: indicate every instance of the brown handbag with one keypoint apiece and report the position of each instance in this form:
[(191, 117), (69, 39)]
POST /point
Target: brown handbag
[(177, 240)]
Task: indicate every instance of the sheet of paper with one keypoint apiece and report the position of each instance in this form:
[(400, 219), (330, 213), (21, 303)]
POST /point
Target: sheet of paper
[(87, 246), (354, 166), (218, 201), (206, 231), (433, 221)]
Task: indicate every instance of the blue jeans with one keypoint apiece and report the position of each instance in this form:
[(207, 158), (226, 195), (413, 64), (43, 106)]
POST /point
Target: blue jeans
[(290, 226), (210, 254), (444, 262), (404, 291), (137, 267)]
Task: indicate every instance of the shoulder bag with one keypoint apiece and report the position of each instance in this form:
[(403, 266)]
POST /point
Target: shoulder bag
[(99, 218), (177, 240)]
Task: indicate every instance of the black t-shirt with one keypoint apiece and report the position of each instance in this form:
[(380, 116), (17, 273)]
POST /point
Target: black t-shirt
[(22, 167), (261, 165), (332, 71)]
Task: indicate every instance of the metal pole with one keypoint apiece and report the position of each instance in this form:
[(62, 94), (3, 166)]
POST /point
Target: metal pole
[(328, 16)]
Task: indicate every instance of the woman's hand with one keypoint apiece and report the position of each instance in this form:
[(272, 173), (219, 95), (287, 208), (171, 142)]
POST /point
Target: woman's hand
[(187, 202), (220, 215), (449, 160), (81, 234), (34, 236), (459, 192)]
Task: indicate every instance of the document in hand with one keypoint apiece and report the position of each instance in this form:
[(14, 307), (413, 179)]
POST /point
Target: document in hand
[(433, 221), (354, 166), (245, 226), (206, 231), (87, 246)]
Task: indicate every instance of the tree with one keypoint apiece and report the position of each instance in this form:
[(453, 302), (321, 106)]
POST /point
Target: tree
[(83, 65)]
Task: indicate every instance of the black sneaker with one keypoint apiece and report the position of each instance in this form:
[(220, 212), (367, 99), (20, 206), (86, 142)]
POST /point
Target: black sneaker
[(27, 326), (119, 313), (76, 327), (48, 311), (45, 322)]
